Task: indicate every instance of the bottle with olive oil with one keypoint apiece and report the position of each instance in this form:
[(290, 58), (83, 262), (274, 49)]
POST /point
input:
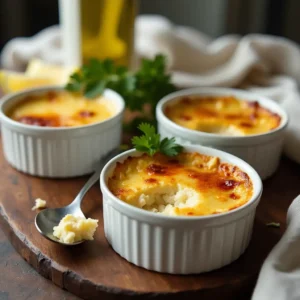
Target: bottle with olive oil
[(97, 29)]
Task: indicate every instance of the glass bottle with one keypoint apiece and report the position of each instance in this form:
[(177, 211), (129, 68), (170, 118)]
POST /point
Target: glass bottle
[(97, 29)]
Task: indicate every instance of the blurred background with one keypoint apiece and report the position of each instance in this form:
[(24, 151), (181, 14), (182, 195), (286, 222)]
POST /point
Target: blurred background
[(213, 17)]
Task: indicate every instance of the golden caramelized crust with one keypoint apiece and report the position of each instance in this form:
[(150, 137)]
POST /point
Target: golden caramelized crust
[(189, 184), (224, 115), (59, 109)]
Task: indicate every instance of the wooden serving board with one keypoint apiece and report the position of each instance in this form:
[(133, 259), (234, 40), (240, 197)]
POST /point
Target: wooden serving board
[(93, 270)]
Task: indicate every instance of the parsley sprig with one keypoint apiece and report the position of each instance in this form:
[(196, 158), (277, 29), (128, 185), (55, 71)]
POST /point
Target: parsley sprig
[(146, 86), (150, 142), (91, 79)]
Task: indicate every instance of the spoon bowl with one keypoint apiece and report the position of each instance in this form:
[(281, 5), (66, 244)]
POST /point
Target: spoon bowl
[(46, 219)]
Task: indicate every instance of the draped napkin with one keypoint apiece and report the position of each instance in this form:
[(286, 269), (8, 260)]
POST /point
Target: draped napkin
[(279, 278)]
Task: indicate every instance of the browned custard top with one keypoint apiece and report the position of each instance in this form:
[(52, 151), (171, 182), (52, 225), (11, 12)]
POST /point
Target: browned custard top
[(225, 115), (59, 109), (190, 184)]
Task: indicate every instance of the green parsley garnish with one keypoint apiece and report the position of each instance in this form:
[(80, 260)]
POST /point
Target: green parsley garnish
[(150, 142), (91, 79), (146, 86), (273, 224)]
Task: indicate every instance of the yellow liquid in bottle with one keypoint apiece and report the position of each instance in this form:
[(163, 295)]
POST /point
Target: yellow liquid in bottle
[(107, 29)]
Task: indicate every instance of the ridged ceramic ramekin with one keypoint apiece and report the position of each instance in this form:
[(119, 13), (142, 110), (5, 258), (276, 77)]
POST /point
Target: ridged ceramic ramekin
[(58, 152), (262, 151), (178, 244)]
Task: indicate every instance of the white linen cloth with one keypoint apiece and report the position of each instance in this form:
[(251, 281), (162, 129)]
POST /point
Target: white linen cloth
[(279, 278), (45, 45), (266, 64)]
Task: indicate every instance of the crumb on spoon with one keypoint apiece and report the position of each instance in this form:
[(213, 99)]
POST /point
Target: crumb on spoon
[(72, 229), (39, 203)]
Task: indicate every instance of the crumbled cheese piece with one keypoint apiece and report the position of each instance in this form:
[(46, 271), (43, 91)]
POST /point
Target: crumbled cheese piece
[(72, 229), (39, 203)]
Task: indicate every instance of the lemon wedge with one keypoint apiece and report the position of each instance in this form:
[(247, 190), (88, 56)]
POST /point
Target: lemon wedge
[(37, 74), (13, 81), (39, 68)]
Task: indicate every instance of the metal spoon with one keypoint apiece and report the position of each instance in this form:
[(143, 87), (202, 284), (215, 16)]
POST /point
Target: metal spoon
[(46, 219)]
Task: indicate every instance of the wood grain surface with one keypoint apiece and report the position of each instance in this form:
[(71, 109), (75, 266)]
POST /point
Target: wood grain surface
[(93, 270), (19, 281)]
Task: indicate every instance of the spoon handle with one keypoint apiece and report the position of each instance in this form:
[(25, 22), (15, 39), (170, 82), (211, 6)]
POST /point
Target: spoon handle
[(94, 178)]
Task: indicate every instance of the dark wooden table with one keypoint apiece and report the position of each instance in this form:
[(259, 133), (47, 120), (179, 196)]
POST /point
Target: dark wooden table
[(19, 281)]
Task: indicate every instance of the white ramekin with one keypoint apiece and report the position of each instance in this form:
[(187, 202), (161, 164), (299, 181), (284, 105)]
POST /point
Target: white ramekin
[(262, 151), (58, 151), (178, 245)]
